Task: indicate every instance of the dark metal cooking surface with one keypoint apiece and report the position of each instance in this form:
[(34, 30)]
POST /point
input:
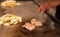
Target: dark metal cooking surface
[(27, 10)]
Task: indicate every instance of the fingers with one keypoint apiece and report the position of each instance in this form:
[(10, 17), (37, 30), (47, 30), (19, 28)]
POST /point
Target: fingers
[(42, 9)]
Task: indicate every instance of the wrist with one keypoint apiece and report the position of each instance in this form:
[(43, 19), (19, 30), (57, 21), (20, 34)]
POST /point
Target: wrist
[(47, 4), (55, 3)]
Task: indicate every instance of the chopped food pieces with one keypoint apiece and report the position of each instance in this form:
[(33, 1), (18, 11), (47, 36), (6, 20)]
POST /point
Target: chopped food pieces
[(31, 26), (8, 19), (9, 3), (6, 24), (33, 21), (1, 22), (15, 22), (36, 22)]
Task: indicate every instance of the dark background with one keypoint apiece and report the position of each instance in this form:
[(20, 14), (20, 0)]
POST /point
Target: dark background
[(17, 0)]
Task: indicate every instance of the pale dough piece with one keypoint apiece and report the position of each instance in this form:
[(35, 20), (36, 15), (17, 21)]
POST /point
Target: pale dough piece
[(38, 23), (29, 26)]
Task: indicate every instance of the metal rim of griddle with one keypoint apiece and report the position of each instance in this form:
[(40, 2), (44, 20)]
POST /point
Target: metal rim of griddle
[(51, 16)]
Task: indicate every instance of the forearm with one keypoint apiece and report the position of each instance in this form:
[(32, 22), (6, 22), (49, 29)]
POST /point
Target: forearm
[(53, 2)]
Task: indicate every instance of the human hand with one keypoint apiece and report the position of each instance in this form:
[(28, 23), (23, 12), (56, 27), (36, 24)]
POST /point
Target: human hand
[(46, 5)]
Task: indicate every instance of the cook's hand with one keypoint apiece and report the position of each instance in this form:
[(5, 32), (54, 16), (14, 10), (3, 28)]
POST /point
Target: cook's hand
[(47, 5), (43, 7)]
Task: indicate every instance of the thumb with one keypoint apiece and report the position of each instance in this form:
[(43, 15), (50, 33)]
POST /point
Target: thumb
[(39, 11)]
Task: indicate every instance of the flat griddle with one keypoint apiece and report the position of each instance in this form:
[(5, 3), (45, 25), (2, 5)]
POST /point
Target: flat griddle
[(17, 30)]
